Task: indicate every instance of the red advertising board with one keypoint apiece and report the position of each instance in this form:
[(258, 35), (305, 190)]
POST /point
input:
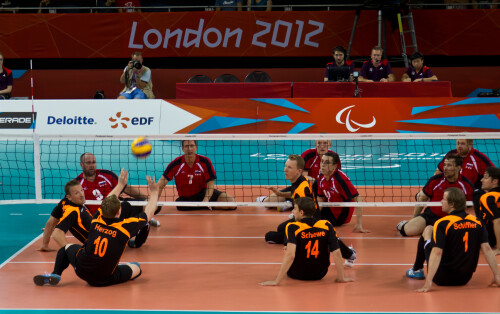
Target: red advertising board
[(261, 34)]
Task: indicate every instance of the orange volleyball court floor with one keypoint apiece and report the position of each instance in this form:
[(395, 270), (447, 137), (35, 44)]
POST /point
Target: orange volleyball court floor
[(214, 260)]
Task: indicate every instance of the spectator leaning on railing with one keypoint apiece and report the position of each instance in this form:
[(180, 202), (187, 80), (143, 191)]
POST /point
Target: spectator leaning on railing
[(228, 5), (259, 5)]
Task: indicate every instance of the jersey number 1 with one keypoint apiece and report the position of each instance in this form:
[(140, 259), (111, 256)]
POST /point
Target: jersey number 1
[(101, 245), (466, 241), (314, 251)]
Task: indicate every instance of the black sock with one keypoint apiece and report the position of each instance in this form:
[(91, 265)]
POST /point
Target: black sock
[(62, 261), (345, 251), (402, 231), (420, 258)]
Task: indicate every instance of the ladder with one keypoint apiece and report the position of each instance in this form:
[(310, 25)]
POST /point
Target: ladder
[(410, 30)]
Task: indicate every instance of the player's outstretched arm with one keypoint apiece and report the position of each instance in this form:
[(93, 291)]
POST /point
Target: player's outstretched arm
[(285, 265), (422, 197), (434, 261), (358, 227), (47, 233), (161, 185), (153, 197), (492, 262), (122, 182), (60, 237), (339, 265)]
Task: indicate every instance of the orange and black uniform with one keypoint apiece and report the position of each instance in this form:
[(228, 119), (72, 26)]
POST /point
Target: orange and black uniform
[(97, 260), (489, 210), (314, 240), (460, 236), (73, 218)]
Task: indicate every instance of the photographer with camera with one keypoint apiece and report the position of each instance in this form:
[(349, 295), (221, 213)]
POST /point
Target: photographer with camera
[(137, 80)]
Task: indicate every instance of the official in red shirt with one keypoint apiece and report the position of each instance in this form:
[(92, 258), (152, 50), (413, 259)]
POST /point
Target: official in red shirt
[(194, 177), (333, 185)]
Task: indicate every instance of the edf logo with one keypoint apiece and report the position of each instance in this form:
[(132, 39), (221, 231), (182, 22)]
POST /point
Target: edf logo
[(142, 120)]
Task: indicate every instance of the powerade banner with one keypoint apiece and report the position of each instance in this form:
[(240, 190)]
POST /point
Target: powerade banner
[(233, 34), (276, 116)]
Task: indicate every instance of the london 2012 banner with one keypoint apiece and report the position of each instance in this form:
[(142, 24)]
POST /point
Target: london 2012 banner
[(235, 34)]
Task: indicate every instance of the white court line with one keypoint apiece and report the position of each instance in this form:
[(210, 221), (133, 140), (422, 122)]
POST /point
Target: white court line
[(15, 214), (237, 263), (20, 251), (262, 237)]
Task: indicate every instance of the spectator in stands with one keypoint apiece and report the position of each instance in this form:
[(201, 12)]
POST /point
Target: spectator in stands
[(137, 80), (228, 5), (44, 4), (332, 72), (132, 5), (259, 5), (109, 4), (6, 80), (376, 69), (417, 71)]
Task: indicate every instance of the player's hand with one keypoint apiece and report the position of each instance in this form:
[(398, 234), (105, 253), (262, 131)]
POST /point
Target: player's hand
[(359, 229), (269, 283), (344, 280), (496, 251), (273, 189), (152, 184), (123, 178), (495, 280), (425, 288), (45, 249)]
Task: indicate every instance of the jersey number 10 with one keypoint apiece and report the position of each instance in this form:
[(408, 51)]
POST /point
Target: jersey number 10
[(101, 245)]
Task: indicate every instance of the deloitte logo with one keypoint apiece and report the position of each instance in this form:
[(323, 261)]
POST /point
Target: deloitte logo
[(76, 120)]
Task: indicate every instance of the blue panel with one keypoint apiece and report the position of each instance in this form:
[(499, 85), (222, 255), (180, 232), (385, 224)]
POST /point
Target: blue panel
[(216, 123), (476, 92), (477, 100), (299, 127), (405, 131), (284, 118), (281, 103), (18, 73), (487, 121), (416, 110)]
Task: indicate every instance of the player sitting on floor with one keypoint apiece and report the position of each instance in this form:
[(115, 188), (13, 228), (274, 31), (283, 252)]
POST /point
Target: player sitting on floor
[(309, 243), (96, 261), (452, 245)]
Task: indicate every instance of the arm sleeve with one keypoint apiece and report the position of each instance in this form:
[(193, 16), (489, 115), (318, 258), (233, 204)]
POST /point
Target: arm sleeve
[(388, 68), (333, 241), (439, 234), (68, 220), (146, 76), (290, 233), (57, 212)]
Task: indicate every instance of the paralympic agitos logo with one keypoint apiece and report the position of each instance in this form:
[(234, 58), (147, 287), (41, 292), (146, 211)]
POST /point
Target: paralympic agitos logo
[(348, 122), (17, 120)]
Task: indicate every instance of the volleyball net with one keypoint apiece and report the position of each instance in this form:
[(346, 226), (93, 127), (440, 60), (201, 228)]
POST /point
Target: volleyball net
[(387, 169)]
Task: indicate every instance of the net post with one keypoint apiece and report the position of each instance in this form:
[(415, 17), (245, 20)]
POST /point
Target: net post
[(37, 168)]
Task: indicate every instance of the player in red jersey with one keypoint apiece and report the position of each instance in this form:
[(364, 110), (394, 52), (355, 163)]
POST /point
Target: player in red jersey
[(194, 177), (333, 185), (474, 162), (312, 158), (433, 191)]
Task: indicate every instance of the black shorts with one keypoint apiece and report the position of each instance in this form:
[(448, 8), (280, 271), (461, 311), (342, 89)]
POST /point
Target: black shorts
[(446, 276), (129, 210), (430, 217), (122, 273), (198, 197), (343, 218)]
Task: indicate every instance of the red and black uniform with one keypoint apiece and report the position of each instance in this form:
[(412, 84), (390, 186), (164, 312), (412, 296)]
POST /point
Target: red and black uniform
[(73, 218), (489, 210), (460, 236), (97, 260), (6, 79), (337, 189), (473, 165), (191, 182), (435, 188), (105, 181), (312, 162), (314, 240)]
